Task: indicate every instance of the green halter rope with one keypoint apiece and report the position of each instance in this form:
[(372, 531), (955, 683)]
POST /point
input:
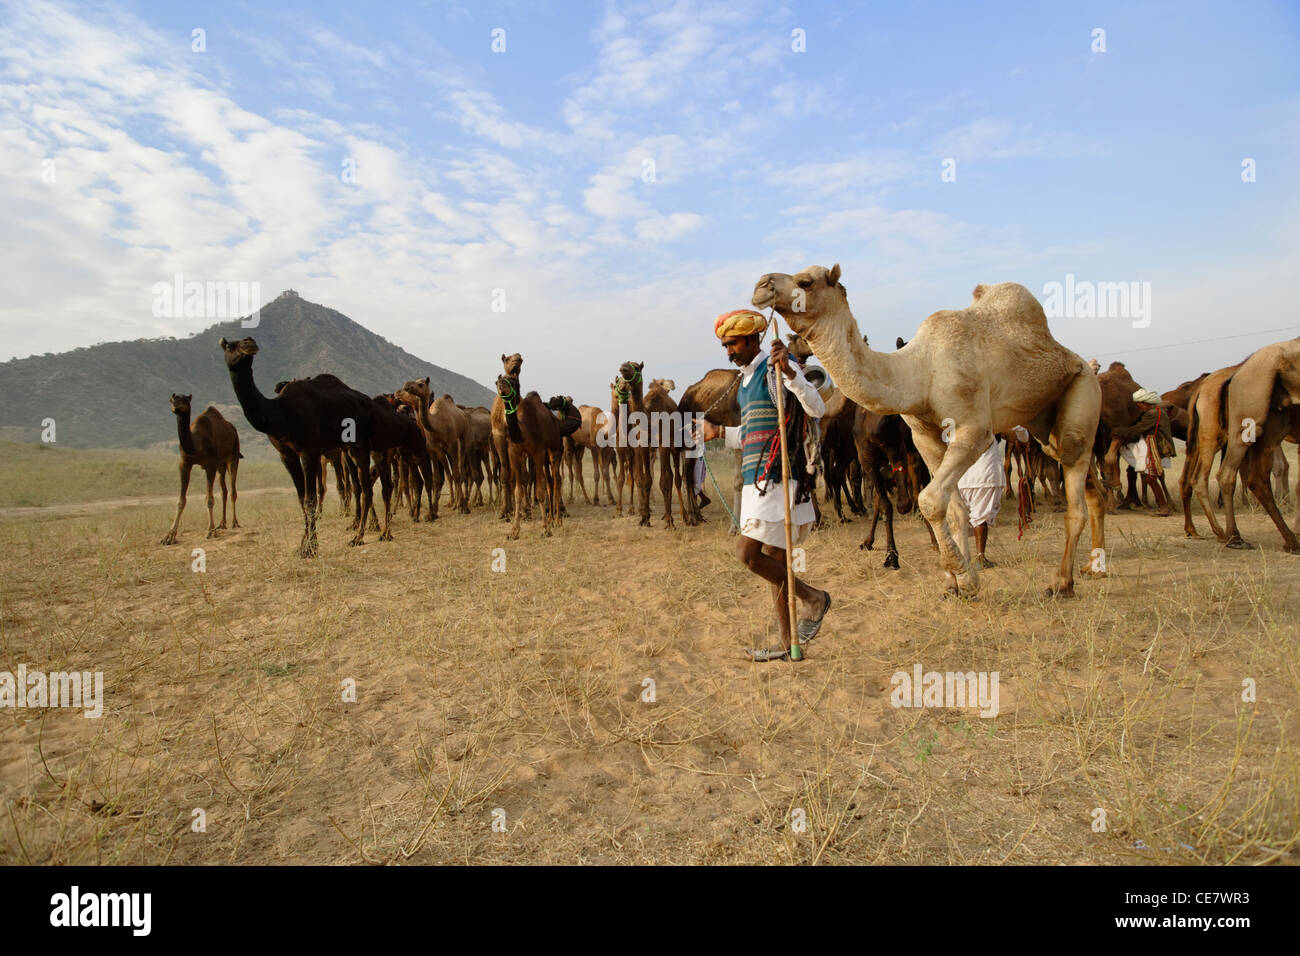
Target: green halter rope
[(505, 399)]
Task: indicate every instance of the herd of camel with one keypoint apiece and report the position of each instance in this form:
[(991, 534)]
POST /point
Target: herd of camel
[(907, 424)]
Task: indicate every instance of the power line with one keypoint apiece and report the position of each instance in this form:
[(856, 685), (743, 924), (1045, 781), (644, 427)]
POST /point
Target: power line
[(1218, 338)]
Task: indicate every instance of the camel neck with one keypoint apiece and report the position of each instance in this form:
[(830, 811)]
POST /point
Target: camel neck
[(184, 434), (878, 381), (260, 411)]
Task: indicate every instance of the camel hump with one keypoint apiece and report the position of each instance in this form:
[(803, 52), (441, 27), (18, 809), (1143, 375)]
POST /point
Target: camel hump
[(979, 292)]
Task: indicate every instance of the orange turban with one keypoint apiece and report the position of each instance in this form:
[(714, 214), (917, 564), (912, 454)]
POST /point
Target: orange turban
[(739, 322)]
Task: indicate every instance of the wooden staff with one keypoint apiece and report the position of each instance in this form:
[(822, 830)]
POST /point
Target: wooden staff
[(796, 651)]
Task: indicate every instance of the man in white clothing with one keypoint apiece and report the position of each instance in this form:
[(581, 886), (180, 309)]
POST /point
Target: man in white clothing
[(762, 513)]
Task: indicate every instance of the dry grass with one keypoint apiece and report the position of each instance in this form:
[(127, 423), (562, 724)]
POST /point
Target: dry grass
[(522, 691)]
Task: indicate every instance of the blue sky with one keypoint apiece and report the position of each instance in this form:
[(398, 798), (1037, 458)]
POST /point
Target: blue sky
[(523, 170)]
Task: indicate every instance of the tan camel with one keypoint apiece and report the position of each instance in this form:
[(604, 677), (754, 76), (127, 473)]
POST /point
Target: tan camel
[(479, 451), (623, 464), (964, 376), (576, 447), (714, 397), (212, 443), (1205, 438), (644, 433), (513, 365), (444, 425), (1260, 398)]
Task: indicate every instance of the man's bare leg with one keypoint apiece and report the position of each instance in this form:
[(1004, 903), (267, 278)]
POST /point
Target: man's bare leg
[(981, 541), (768, 562)]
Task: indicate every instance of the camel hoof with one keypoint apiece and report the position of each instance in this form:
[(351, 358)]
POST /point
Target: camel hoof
[(891, 560), (844, 520), (170, 539), (358, 540), (644, 523), (866, 545), (1237, 544), (1065, 592), (386, 537), (1290, 550)]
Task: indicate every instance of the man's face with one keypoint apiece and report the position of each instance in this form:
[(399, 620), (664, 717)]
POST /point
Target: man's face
[(741, 349)]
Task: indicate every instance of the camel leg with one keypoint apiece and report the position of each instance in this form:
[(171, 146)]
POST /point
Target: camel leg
[(1185, 491), (947, 463), (462, 457), (1070, 443), (310, 465), (386, 486), (361, 456), (211, 474), (170, 537), (221, 477), (641, 457), (666, 486), (517, 470), (1201, 485), (1233, 456), (579, 453), (1259, 480), (234, 493)]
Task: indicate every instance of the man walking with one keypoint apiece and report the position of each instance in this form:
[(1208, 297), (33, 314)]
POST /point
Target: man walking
[(762, 512)]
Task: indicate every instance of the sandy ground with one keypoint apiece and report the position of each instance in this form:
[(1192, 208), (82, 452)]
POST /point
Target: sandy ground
[(521, 697)]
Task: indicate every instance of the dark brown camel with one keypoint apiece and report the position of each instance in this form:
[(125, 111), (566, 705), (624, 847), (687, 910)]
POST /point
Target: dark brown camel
[(889, 462), (212, 443), (534, 435), (309, 417)]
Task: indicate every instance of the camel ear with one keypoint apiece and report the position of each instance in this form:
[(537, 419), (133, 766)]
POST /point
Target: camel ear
[(189, 398), (223, 341), (833, 276), (503, 357)]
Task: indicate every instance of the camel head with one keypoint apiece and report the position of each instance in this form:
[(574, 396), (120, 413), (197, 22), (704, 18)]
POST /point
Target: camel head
[(418, 389), (507, 390), (629, 372), (513, 364), (799, 348), (406, 398), (181, 404), (665, 385), (801, 299), (239, 352)]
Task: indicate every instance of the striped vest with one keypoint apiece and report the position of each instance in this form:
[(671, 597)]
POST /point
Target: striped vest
[(758, 422)]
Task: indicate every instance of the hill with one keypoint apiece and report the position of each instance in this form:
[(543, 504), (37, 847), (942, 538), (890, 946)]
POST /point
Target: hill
[(115, 395)]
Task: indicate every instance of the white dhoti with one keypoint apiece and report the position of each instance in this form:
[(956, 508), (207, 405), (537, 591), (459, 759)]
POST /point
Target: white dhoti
[(1135, 454), (762, 517), (981, 486)]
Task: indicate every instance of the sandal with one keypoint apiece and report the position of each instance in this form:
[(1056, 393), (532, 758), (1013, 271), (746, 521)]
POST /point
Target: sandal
[(808, 627), (759, 654)]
